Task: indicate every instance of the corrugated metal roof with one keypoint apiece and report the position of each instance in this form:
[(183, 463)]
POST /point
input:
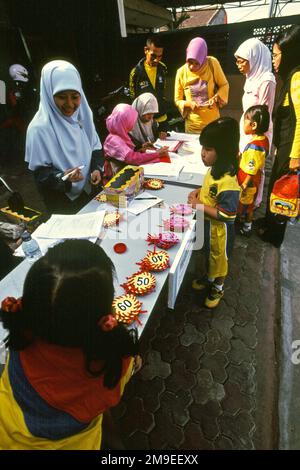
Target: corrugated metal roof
[(198, 18)]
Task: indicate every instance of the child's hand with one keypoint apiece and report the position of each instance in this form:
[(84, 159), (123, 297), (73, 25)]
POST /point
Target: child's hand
[(138, 362), (193, 198), (163, 135), (163, 152), (146, 145)]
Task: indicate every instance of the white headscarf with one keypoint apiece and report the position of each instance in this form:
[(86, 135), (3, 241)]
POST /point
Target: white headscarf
[(58, 140), (144, 104), (260, 63)]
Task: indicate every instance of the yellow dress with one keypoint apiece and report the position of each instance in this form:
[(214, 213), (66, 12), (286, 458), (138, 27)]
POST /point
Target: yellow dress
[(199, 87), (222, 194)]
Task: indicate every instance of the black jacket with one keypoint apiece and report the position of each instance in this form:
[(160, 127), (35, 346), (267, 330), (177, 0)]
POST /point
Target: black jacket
[(139, 83)]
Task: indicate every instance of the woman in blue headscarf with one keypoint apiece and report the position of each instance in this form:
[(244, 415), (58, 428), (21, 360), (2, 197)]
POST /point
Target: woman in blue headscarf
[(62, 146)]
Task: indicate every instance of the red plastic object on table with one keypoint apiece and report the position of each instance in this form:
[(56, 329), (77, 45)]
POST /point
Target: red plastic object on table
[(120, 248)]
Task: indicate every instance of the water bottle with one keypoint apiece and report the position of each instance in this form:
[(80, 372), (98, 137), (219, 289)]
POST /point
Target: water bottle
[(30, 247)]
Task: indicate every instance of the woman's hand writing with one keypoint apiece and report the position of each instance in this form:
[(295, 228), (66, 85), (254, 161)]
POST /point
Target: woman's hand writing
[(163, 152)]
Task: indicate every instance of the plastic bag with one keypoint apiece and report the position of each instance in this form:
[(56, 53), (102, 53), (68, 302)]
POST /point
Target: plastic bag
[(285, 197)]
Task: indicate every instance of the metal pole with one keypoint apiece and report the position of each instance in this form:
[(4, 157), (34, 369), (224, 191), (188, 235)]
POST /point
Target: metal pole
[(272, 4), (122, 18)]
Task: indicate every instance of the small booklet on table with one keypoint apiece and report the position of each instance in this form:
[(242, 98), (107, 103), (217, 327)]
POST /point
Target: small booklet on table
[(172, 144)]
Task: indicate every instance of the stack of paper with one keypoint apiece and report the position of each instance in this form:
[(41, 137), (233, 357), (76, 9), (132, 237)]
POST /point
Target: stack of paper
[(62, 227), (163, 169), (182, 136), (143, 202), (71, 226), (172, 144)]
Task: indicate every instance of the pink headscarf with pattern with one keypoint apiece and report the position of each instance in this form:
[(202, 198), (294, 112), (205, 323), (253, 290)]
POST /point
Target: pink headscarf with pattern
[(119, 123), (197, 50)]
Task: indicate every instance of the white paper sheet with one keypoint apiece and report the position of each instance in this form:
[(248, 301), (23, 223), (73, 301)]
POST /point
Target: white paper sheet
[(172, 144), (71, 226), (163, 169), (138, 206), (182, 136)]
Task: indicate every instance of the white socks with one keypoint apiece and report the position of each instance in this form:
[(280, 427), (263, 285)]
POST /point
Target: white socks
[(219, 287)]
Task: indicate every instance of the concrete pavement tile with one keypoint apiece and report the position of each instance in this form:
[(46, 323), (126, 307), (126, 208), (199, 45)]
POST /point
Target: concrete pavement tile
[(190, 356), (240, 352), (247, 333), (231, 297), (223, 443), (194, 439), (150, 392), (166, 347), (200, 320), (166, 433), (210, 427), (244, 375), (223, 323), (154, 366), (176, 406), (138, 441), (249, 301), (170, 325), (216, 342), (207, 389), (216, 363), (243, 316), (136, 419), (235, 400), (239, 428), (211, 409), (180, 378), (191, 335)]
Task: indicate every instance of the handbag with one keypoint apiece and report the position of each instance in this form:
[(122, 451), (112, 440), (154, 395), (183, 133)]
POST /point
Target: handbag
[(285, 196)]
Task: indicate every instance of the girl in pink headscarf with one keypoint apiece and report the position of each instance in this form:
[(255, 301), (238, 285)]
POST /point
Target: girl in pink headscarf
[(118, 146), (201, 87)]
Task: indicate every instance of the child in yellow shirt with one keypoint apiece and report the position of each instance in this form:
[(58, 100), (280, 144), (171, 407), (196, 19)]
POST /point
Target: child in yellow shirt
[(256, 123), (218, 198)]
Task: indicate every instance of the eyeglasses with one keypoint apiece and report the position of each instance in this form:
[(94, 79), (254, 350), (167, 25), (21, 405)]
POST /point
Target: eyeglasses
[(274, 55)]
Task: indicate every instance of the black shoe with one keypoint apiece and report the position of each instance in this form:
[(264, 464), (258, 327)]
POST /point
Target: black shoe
[(267, 238)]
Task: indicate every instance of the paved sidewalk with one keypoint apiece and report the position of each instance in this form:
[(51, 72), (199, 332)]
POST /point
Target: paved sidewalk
[(289, 398), (209, 378)]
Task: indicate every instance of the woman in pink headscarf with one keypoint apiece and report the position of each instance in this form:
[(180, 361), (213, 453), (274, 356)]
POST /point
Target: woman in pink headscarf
[(118, 146), (201, 87)]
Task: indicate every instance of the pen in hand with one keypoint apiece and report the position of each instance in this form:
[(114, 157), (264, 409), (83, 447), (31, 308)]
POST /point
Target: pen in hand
[(71, 173), (143, 198)]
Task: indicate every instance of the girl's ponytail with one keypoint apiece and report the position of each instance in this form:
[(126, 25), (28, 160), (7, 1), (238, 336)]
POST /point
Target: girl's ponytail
[(11, 315)]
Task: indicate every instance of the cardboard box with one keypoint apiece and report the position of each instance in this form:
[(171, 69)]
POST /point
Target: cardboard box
[(124, 186), (28, 215)]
